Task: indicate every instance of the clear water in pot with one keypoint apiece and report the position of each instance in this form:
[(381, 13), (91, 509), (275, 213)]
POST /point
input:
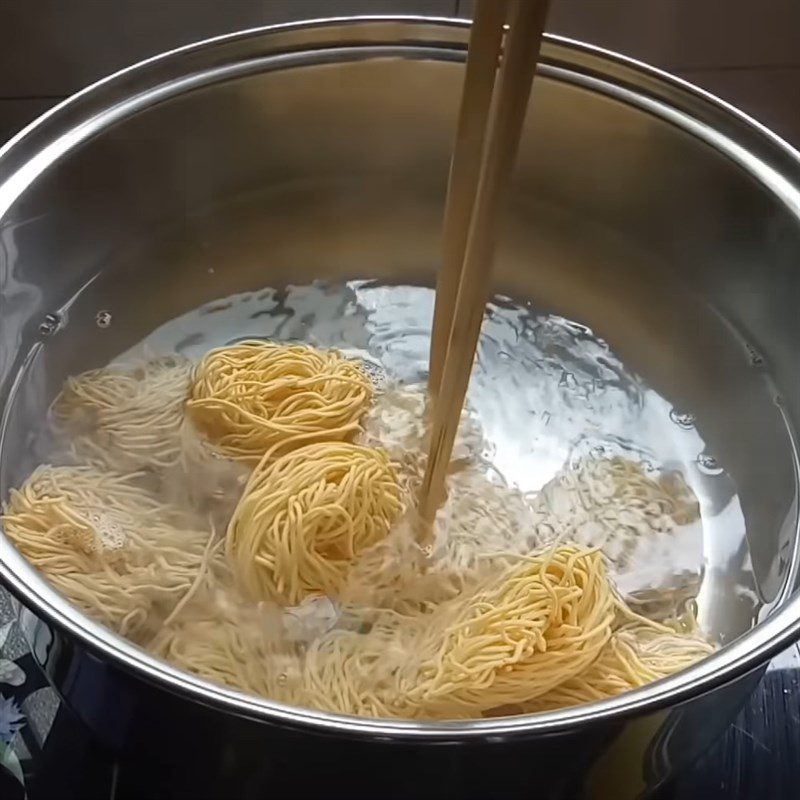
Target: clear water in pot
[(549, 395)]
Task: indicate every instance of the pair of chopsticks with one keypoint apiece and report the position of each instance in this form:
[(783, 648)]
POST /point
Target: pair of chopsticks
[(490, 122)]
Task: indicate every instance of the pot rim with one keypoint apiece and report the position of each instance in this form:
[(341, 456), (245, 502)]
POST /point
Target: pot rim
[(765, 155)]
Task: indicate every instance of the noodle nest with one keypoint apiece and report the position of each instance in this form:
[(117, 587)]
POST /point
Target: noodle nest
[(257, 399), (303, 519), (513, 637)]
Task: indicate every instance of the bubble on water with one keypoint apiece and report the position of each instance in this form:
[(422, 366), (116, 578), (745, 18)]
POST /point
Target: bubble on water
[(598, 451), (103, 319), (282, 678), (50, 324), (683, 419), (708, 465), (375, 372)]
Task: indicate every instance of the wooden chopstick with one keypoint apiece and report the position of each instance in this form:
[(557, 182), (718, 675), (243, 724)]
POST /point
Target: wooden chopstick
[(506, 117), (485, 40)]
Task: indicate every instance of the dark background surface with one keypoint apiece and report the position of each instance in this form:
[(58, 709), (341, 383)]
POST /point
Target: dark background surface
[(747, 53), (757, 757)]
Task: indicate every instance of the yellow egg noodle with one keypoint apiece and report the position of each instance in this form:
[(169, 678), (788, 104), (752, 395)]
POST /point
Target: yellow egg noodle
[(547, 631), (223, 639), (638, 653), (614, 504), (126, 419), (304, 518), (259, 400), (119, 554), (515, 636), (314, 592)]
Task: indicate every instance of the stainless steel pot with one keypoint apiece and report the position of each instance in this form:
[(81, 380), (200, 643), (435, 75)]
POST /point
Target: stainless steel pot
[(657, 214)]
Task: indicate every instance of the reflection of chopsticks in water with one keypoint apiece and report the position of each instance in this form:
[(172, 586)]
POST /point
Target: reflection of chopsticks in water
[(489, 127)]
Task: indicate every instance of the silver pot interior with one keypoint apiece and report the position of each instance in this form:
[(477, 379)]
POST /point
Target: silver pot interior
[(647, 278)]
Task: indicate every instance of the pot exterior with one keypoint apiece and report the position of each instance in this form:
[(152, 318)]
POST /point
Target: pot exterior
[(171, 747)]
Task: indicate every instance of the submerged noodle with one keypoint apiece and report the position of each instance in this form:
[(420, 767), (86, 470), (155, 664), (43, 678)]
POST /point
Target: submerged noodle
[(513, 637), (542, 632), (106, 544), (319, 593), (126, 419), (638, 653)]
